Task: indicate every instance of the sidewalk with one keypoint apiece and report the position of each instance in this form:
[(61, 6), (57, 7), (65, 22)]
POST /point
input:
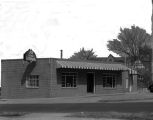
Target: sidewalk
[(97, 98)]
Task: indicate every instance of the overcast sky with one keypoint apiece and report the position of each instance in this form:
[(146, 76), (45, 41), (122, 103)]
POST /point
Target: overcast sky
[(47, 26)]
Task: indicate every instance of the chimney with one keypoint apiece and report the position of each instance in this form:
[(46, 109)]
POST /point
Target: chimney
[(61, 54)]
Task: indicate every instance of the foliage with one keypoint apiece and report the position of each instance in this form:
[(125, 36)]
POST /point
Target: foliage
[(84, 55), (132, 43), (145, 82)]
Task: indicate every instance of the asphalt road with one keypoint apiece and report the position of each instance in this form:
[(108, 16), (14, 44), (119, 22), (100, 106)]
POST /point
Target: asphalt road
[(80, 107)]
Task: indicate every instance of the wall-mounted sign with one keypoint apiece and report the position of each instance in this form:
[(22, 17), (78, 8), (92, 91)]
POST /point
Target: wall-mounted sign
[(29, 56)]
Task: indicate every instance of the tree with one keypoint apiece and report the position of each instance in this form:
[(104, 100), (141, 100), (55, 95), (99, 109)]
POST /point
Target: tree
[(83, 55), (135, 44), (131, 43)]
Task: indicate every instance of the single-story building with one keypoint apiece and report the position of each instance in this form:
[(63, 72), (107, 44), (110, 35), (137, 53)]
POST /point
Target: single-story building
[(52, 77)]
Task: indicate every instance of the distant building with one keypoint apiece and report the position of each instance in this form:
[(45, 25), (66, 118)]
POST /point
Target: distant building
[(111, 59)]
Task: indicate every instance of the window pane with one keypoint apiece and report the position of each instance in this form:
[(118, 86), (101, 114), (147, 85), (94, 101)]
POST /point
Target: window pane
[(68, 79), (37, 83), (109, 80), (63, 80), (33, 81)]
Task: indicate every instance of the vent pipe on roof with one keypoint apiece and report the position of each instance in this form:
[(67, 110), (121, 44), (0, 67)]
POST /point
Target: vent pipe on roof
[(61, 54)]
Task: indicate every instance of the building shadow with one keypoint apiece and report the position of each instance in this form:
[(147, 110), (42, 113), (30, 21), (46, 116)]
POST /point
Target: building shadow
[(28, 71)]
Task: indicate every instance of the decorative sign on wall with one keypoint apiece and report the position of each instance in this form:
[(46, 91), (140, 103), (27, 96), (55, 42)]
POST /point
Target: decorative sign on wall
[(29, 56)]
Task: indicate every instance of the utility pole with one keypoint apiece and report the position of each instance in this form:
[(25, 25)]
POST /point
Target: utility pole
[(152, 42)]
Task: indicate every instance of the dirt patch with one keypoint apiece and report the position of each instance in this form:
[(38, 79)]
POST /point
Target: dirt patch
[(12, 114), (113, 115), (50, 116), (125, 100)]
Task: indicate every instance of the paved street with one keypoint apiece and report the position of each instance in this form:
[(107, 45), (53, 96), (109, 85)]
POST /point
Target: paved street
[(61, 111), (79, 107)]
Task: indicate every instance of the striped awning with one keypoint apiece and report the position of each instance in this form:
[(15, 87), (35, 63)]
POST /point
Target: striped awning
[(90, 65)]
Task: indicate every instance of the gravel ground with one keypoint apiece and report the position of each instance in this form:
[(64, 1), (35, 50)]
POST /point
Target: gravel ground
[(50, 116)]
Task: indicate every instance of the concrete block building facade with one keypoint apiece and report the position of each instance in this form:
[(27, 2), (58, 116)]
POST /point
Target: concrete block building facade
[(51, 77)]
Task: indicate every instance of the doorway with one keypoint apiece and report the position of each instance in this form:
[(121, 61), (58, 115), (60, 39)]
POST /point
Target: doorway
[(90, 82)]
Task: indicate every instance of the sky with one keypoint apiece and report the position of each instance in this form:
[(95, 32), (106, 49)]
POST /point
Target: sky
[(47, 26)]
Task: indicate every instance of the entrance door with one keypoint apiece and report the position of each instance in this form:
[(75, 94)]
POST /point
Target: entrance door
[(90, 82)]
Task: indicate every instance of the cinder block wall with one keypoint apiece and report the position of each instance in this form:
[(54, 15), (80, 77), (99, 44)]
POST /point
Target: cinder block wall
[(126, 80), (12, 75), (134, 87)]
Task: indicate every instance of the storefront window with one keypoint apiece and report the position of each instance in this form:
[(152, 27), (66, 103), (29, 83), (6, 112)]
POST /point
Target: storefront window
[(69, 80), (109, 80)]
